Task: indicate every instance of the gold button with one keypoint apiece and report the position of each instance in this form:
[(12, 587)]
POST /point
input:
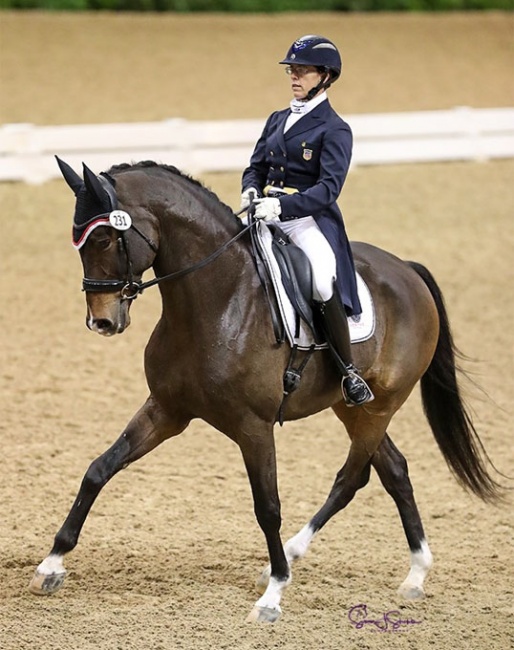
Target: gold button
[(281, 169)]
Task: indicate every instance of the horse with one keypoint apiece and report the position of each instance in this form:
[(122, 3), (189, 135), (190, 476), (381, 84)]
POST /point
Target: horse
[(213, 355)]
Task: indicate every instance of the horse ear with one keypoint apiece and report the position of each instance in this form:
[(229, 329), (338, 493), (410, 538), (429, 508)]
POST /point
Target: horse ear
[(70, 176), (95, 187)]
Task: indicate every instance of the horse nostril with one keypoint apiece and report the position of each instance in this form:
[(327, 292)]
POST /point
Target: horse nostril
[(103, 325)]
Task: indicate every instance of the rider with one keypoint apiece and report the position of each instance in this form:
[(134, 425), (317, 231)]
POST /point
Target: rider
[(297, 171)]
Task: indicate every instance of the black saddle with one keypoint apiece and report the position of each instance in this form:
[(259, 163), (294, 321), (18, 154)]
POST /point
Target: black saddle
[(296, 272)]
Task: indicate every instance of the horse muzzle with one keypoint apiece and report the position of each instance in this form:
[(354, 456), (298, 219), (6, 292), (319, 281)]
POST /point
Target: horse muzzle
[(107, 314)]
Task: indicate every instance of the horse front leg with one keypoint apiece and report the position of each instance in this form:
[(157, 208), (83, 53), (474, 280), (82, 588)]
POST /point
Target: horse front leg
[(147, 429), (392, 469), (260, 461)]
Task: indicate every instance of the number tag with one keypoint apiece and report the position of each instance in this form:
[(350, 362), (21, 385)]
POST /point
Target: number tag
[(120, 220)]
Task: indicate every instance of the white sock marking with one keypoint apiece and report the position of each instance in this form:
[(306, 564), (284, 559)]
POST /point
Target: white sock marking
[(51, 565), (297, 546), (270, 599), (420, 563)]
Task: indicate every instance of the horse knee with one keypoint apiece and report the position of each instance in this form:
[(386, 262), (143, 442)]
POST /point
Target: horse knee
[(103, 468)]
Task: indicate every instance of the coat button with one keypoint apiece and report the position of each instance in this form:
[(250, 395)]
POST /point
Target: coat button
[(281, 169)]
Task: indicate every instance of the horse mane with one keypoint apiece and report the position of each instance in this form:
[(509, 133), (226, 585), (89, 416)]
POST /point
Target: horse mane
[(150, 164)]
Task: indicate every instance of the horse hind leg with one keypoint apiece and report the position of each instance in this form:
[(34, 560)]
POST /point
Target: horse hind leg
[(353, 476), (147, 429), (392, 469)]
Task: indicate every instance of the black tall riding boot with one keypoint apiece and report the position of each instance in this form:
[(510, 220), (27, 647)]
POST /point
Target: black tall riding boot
[(335, 327)]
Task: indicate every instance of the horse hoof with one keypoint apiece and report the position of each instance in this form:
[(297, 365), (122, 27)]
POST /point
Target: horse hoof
[(263, 615), (46, 584), (261, 584), (411, 592)]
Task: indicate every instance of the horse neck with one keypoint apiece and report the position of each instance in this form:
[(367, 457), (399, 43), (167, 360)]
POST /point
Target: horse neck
[(189, 233)]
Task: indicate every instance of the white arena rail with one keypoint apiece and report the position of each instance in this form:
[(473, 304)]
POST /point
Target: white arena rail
[(27, 151)]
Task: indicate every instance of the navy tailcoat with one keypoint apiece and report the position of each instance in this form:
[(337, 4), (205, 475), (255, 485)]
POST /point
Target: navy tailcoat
[(312, 157)]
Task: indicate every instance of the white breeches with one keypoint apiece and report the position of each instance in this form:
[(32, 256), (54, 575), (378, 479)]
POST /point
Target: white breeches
[(306, 234)]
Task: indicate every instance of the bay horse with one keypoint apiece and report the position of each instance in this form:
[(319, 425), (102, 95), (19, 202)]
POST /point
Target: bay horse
[(213, 355)]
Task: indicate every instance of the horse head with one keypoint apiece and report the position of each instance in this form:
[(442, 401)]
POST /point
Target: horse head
[(114, 250)]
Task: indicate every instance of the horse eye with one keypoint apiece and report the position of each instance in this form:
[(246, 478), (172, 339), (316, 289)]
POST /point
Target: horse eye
[(103, 244)]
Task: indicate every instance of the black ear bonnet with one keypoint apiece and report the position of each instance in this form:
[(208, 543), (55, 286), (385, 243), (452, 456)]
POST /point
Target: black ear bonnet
[(96, 199)]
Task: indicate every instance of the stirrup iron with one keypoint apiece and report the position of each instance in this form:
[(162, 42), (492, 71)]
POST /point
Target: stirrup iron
[(355, 390)]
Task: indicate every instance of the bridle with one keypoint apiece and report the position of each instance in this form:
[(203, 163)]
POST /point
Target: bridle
[(121, 221), (130, 288)]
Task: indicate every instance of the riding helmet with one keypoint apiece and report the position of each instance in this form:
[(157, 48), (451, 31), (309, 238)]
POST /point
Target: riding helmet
[(315, 50)]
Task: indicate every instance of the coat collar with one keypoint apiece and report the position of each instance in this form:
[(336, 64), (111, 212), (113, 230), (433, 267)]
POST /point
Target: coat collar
[(308, 121)]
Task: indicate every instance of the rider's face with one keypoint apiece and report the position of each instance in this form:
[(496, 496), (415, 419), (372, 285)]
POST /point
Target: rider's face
[(303, 78)]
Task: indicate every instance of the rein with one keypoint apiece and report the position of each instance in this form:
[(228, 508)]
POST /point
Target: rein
[(130, 289)]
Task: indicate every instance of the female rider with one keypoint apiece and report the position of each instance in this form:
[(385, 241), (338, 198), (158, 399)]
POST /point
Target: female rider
[(297, 171)]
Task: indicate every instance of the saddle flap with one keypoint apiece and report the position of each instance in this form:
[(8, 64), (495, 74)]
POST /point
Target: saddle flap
[(296, 272), (362, 326)]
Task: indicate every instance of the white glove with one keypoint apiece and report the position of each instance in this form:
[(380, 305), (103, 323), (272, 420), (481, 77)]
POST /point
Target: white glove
[(267, 209), (245, 197)]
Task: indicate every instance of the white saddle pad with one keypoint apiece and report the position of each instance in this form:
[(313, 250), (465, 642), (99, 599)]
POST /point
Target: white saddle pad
[(362, 326)]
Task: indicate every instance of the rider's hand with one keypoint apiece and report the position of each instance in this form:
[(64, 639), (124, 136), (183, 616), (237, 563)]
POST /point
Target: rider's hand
[(245, 197), (267, 209)]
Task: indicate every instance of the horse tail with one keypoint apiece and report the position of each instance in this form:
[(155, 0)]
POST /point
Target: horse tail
[(446, 413)]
